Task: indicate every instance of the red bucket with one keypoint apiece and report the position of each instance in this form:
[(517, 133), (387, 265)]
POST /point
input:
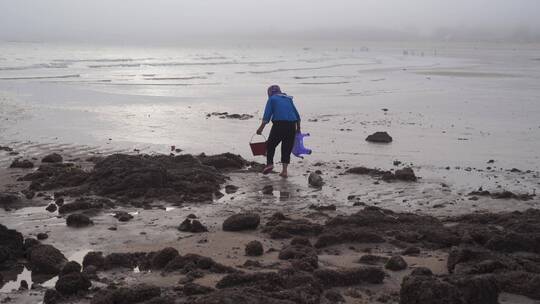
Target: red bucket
[(258, 148)]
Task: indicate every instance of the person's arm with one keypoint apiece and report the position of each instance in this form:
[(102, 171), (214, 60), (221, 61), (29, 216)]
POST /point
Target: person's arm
[(297, 118), (268, 112)]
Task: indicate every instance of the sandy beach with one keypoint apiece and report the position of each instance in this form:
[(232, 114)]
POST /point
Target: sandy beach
[(132, 172)]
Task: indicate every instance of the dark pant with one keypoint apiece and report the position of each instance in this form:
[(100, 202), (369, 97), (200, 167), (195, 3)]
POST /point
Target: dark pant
[(282, 132)]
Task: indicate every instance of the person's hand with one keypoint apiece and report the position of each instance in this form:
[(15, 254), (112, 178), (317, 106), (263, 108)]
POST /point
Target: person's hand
[(259, 130), (298, 130)]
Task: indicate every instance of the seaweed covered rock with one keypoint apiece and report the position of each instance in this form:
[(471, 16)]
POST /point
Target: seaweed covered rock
[(302, 253), (242, 221), (223, 161), (45, 259), (158, 176), (190, 262), (11, 245), (85, 203), (52, 158), (22, 164), (355, 276), (163, 257), (72, 283), (127, 295), (55, 175)]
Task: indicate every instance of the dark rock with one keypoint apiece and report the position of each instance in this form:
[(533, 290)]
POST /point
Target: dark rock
[(85, 203), (254, 248), (59, 202), (348, 277), (522, 283), (163, 257), (300, 252), (194, 226), (268, 190), (11, 244), (405, 174), (477, 289), (78, 220), (315, 180), (23, 164), (223, 161), (323, 207), (52, 158), (285, 228), (242, 221), (422, 271), (379, 137), (51, 208), (196, 289), (52, 297), (334, 296), (45, 259), (42, 236), (94, 258), (125, 295), (23, 285), (72, 283), (301, 241), (396, 263), (123, 216), (421, 289), (8, 198), (71, 267), (190, 262), (229, 189)]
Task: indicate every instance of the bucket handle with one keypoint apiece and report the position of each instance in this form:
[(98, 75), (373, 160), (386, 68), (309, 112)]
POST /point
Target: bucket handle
[(251, 140)]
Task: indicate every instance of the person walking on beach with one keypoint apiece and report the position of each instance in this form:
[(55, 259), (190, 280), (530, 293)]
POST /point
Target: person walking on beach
[(285, 119)]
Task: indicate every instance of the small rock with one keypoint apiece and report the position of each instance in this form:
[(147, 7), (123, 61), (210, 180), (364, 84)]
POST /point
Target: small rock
[(315, 180), (51, 208), (194, 226), (42, 236), (396, 263), (242, 221), (123, 216), (379, 137), (254, 248), (229, 189), (78, 220), (268, 190)]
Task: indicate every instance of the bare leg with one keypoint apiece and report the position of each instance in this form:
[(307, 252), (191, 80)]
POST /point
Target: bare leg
[(284, 171)]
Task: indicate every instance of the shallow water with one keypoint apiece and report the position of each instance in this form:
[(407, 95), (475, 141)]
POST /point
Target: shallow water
[(456, 105)]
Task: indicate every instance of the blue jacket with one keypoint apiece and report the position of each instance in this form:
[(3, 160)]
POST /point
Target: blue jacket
[(280, 107)]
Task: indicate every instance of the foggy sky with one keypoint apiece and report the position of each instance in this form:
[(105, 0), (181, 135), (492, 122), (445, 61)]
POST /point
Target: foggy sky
[(162, 20)]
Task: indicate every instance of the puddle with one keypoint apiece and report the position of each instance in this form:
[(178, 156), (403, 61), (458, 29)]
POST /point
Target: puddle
[(26, 274), (14, 284)]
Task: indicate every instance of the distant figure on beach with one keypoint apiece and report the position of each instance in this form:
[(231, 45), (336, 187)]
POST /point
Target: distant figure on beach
[(285, 119)]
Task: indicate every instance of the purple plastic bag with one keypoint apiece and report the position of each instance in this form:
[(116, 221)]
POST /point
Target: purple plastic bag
[(299, 148)]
